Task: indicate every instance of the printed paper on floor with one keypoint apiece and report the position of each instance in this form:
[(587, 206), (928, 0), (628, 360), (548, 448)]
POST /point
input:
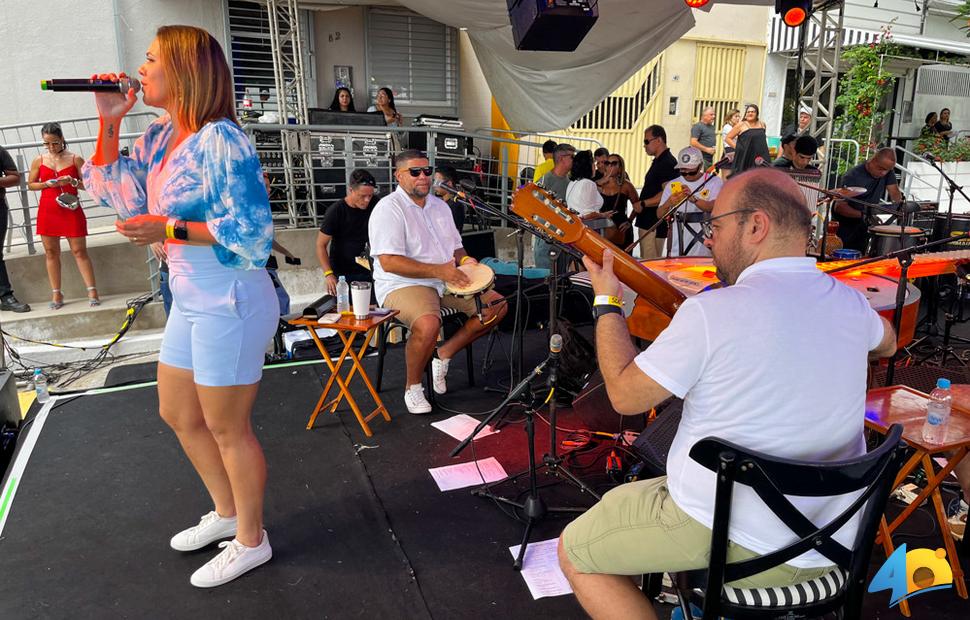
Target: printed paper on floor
[(463, 475), (461, 426), (540, 569)]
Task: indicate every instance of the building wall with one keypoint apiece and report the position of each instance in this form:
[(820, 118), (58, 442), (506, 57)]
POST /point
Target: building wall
[(340, 39), (86, 43), (773, 99)]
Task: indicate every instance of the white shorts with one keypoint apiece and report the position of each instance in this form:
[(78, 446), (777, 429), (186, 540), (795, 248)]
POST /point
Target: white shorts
[(222, 319)]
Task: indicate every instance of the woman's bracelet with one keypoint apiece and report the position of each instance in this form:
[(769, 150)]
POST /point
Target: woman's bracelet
[(327, 273)]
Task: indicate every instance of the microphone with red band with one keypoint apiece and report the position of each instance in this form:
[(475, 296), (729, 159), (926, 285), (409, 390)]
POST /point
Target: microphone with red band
[(88, 85), (716, 166)]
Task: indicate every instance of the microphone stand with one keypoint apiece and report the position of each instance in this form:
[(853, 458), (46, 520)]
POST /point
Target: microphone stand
[(669, 217), (534, 508), (521, 227), (905, 257)]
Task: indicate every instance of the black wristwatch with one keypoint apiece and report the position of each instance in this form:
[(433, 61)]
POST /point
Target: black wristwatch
[(604, 309), (180, 231)]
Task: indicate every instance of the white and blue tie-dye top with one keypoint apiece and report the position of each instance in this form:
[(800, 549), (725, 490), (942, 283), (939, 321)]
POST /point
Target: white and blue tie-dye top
[(213, 176)]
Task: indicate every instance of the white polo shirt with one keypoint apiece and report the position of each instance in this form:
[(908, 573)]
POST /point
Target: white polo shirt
[(426, 234), (776, 363)]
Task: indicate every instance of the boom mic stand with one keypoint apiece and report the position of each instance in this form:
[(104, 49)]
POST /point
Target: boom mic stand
[(534, 508), (905, 258)]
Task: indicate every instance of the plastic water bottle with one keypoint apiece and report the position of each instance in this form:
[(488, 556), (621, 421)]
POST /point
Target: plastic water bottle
[(937, 413), (343, 296), (40, 385)]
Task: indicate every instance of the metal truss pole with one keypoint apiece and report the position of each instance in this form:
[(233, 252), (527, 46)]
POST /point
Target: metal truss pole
[(818, 70), (286, 44)]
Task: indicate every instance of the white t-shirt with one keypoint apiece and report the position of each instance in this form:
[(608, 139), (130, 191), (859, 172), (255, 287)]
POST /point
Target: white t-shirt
[(425, 234), (583, 197), (776, 363), (724, 133), (710, 192)]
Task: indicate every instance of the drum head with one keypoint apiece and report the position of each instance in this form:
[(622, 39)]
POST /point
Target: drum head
[(891, 230), (481, 279)]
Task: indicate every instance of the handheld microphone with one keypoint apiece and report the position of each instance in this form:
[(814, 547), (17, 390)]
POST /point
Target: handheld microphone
[(555, 348), (89, 85)]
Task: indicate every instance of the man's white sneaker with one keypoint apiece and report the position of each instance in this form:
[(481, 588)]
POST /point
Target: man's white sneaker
[(439, 370), (415, 400), (234, 560), (211, 528)]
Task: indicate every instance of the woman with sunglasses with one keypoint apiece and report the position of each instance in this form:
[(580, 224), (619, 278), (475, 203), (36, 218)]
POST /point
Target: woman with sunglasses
[(194, 183), (57, 175), (618, 193), (751, 140)]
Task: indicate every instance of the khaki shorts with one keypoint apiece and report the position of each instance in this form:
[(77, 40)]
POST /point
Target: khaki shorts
[(416, 301), (637, 529)]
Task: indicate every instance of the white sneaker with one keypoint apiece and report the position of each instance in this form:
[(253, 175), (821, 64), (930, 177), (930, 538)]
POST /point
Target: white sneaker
[(439, 370), (234, 560), (415, 400), (211, 528)]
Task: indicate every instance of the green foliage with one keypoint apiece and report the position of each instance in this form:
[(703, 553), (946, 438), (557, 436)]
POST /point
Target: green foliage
[(955, 150), (963, 15), (862, 91)]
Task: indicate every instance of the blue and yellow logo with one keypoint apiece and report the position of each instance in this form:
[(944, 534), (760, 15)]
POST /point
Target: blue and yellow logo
[(909, 574)]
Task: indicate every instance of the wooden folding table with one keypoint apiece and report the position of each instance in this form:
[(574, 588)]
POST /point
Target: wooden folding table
[(347, 328), (899, 404)]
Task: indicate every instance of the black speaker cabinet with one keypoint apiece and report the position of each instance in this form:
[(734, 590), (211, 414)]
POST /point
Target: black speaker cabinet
[(479, 243), (446, 146), (551, 25)]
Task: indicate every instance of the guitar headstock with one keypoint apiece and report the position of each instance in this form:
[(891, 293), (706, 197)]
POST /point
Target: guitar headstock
[(544, 211)]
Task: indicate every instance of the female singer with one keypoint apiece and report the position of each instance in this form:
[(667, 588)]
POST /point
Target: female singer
[(193, 182), (59, 172)]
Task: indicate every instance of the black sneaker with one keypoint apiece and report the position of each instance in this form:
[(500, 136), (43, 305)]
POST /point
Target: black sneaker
[(12, 304)]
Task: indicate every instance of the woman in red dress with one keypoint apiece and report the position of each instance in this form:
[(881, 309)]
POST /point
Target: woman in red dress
[(59, 172)]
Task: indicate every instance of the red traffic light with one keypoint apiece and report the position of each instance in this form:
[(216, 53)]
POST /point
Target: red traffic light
[(794, 17)]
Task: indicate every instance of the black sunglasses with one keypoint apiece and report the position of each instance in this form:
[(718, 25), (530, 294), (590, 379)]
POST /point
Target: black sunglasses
[(416, 172)]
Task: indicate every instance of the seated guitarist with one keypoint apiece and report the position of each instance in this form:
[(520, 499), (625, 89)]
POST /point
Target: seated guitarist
[(417, 250), (776, 362)]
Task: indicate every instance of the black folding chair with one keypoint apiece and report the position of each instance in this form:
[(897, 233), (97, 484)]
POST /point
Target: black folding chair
[(840, 590)]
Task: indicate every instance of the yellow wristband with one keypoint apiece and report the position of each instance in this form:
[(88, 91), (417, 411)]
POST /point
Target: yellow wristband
[(607, 300), (463, 259), (328, 272), (170, 228)]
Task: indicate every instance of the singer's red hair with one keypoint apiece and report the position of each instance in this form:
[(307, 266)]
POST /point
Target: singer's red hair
[(197, 73)]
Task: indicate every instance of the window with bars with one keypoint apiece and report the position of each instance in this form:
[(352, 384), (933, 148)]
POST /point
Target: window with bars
[(416, 57), (621, 112), (251, 56)]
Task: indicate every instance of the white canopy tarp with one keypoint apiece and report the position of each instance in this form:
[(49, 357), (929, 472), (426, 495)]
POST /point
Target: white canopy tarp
[(543, 91)]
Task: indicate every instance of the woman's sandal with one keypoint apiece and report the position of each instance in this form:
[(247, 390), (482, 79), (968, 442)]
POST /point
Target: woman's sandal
[(56, 305), (93, 301)]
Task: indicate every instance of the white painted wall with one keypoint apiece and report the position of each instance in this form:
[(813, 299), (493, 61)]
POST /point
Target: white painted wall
[(80, 41), (773, 99)]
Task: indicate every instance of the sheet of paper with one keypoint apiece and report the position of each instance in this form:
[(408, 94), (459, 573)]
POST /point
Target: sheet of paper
[(451, 477), (540, 569), (461, 426)]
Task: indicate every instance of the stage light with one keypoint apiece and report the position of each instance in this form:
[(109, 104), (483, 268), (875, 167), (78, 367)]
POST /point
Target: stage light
[(696, 4), (793, 12)]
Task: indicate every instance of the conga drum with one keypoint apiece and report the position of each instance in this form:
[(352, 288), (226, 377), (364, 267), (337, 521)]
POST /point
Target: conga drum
[(887, 238), (959, 224), (481, 279)]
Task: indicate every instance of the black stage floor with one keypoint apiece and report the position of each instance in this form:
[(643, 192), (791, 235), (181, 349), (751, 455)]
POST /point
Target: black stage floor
[(358, 527)]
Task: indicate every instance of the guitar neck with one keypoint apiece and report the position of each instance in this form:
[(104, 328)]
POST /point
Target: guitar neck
[(648, 285)]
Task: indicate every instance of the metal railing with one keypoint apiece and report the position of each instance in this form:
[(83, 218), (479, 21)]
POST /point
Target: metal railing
[(23, 143), (320, 159), (842, 154)]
